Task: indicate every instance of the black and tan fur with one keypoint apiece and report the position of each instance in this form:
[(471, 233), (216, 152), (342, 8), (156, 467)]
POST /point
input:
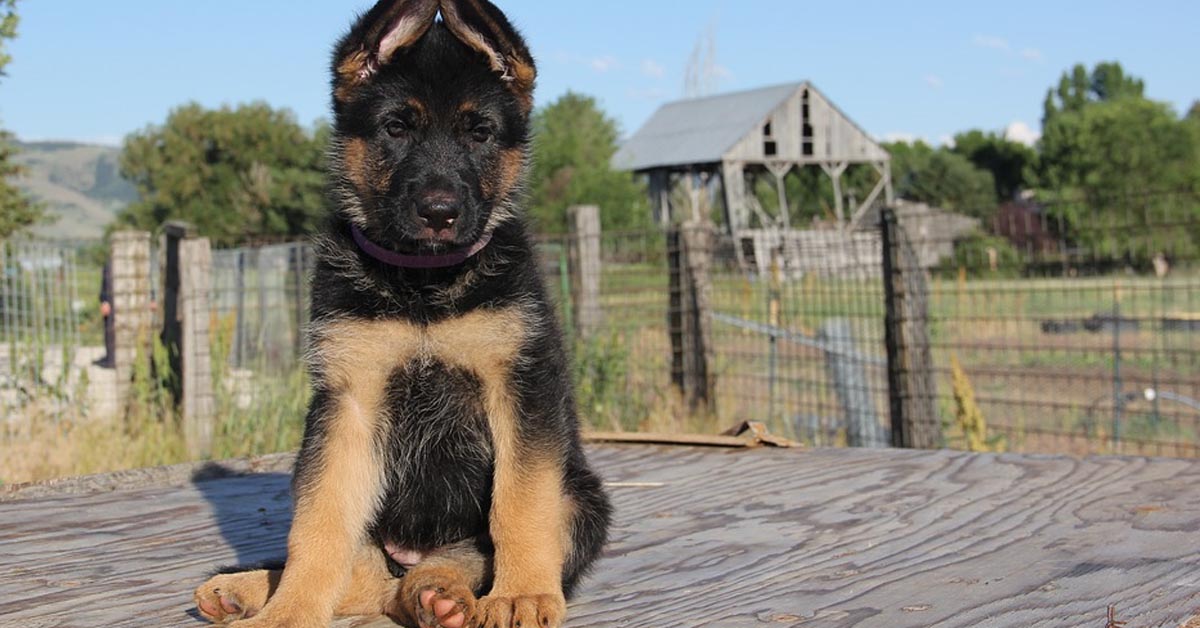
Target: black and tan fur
[(442, 418)]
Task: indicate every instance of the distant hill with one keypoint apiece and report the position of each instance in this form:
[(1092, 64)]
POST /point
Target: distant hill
[(80, 184)]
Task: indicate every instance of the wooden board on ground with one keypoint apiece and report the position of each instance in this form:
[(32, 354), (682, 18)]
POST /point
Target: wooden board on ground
[(703, 537)]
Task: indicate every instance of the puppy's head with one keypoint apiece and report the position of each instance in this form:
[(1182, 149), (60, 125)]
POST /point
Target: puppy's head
[(431, 121)]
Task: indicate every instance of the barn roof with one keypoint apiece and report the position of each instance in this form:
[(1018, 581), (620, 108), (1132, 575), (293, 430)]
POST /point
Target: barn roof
[(699, 130)]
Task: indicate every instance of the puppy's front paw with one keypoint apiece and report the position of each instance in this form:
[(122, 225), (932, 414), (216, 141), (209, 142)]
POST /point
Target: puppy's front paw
[(521, 611), (229, 597)]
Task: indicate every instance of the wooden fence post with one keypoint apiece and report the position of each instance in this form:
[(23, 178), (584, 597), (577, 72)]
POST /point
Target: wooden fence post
[(187, 282), (129, 257), (585, 268), (689, 253), (912, 389)]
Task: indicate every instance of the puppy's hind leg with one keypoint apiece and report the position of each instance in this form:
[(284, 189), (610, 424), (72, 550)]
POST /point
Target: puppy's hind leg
[(232, 596)]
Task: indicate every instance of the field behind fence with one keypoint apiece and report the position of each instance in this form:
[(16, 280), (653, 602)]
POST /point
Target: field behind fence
[(1054, 346)]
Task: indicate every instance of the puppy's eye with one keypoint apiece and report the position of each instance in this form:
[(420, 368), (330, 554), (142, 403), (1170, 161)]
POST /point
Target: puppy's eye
[(482, 133), (396, 128)]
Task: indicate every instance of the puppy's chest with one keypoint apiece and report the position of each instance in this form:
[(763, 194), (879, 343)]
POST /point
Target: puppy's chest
[(433, 406), (427, 388)]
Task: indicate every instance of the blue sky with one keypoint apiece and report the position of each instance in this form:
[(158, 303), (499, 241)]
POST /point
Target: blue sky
[(94, 71)]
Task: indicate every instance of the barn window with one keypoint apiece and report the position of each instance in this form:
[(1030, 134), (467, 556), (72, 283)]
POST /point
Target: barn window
[(806, 129), (770, 147)]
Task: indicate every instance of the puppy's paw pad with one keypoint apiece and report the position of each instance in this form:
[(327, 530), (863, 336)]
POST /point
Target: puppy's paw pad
[(440, 598), (522, 611), (230, 597)]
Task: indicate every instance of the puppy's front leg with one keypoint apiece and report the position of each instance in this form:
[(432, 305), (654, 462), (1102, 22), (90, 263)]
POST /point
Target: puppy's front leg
[(337, 490), (528, 528), (528, 525)]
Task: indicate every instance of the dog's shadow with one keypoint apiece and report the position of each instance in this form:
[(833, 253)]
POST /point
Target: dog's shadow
[(253, 512)]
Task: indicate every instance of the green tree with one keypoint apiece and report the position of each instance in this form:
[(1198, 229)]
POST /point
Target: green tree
[(573, 144), (16, 209), (1119, 166), (1077, 91), (941, 178), (1133, 169), (1013, 165), (236, 173)]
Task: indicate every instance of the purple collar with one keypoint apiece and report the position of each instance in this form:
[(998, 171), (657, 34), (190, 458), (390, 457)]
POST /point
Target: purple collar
[(444, 260)]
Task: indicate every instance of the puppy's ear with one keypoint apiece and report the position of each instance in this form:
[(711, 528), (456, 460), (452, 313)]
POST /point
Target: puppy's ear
[(483, 27), (390, 26)]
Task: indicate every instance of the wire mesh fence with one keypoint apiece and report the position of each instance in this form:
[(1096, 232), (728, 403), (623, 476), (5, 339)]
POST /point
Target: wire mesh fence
[(39, 326), (260, 304), (1077, 327), (1059, 327)]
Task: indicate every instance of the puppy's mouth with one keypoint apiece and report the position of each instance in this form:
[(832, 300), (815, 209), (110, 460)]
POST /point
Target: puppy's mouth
[(438, 236)]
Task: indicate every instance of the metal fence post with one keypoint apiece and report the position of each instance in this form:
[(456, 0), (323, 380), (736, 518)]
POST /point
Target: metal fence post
[(912, 391), (848, 374)]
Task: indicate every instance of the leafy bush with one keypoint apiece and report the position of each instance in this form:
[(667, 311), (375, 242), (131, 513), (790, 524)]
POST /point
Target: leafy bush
[(984, 255)]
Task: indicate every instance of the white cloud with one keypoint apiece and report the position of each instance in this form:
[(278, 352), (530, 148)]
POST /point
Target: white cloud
[(721, 71), (991, 41), (652, 68), (604, 64), (946, 140), (1031, 54), (933, 81), (900, 136), (1018, 131)]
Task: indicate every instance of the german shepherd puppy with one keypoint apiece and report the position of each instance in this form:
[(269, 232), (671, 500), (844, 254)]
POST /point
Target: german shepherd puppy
[(441, 480)]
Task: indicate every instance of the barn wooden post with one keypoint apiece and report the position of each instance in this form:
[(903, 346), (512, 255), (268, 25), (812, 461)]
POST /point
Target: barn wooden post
[(187, 282), (912, 390), (129, 257), (585, 268), (690, 256)]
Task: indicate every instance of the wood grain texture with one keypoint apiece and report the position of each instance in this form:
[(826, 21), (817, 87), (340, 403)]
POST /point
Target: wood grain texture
[(757, 537)]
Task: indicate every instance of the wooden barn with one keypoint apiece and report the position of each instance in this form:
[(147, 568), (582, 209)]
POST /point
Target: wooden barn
[(723, 144), (742, 135)]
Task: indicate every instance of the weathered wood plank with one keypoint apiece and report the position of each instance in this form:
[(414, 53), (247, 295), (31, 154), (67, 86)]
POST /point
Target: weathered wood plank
[(709, 537)]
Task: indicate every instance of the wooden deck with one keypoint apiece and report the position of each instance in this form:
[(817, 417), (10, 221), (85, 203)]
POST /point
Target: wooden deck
[(704, 537)]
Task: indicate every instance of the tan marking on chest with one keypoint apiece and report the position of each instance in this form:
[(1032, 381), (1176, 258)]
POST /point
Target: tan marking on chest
[(359, 355)]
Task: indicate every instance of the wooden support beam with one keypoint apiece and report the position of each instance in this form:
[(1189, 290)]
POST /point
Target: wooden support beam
[(733, 183), (884, 183), (834, 170), (781, 170), (660, 196)]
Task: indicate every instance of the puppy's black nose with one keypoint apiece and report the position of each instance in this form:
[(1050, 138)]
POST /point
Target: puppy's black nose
[(439, 209)]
